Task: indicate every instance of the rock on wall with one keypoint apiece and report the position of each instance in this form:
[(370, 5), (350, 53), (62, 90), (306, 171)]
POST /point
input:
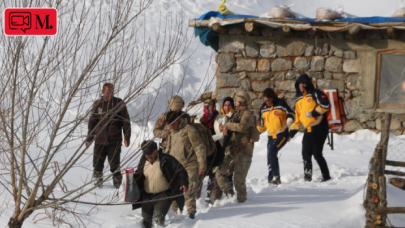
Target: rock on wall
[(255, 66)]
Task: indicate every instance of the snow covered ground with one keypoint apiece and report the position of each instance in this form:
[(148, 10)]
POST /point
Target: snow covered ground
[(293, 204)]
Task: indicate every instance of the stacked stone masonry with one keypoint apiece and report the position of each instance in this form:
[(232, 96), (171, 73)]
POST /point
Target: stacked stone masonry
[(255, 66)]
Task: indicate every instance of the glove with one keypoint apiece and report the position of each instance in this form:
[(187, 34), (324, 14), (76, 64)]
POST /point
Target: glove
[(308, 114), (289, 122)]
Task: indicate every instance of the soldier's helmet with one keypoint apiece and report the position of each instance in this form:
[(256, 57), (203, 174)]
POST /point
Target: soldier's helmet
[(243, 97), (175, 103)]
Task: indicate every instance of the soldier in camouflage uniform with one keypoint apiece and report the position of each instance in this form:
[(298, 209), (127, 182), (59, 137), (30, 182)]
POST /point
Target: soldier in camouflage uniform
[(161, 129), (241, 148), (184, 143)]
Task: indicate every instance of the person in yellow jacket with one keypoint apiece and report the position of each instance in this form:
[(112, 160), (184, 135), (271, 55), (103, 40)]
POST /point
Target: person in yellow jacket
[(275, 117), (311, 107)]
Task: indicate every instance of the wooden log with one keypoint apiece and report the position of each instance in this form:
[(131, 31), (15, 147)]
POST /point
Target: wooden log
[(249, 26), (252, 29), (374, 186), (395, 163), (198, 23), (373, 216), (382, 194), (390, 210), (353, 31), (287, 30), (392, 33), (378, 222), (219, 29), (385, 134), (397, 173)]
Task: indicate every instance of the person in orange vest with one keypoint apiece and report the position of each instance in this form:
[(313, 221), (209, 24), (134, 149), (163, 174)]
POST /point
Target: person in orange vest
[(275, 117), (311, 107)]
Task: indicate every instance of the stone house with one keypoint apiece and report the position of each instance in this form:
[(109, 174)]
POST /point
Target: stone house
[(364, 61)]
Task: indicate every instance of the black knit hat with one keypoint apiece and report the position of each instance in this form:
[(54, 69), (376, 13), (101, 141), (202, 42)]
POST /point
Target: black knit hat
[(148, 146), (230, 99)]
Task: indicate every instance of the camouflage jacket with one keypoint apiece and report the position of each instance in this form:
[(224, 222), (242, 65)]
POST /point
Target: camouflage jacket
[(239, 127), (186, 146), (161, 130)]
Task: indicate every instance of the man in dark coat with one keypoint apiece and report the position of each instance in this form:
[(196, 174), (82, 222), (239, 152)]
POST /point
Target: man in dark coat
[(109, 119), (311, 109), (159, 176)]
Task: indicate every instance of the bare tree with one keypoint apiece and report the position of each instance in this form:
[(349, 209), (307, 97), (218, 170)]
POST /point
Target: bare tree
[(49, 83)]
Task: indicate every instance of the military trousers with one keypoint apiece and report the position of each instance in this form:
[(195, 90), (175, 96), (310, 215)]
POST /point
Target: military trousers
[(239, 160)]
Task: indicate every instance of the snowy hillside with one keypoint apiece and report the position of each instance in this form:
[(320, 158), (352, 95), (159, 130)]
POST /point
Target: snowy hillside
[(293, 204)]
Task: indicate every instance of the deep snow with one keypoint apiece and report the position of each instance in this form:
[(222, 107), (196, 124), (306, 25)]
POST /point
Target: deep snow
[(295, 203)]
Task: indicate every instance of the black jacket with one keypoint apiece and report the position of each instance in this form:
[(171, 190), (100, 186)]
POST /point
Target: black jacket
[(107, 127), (172, 170)]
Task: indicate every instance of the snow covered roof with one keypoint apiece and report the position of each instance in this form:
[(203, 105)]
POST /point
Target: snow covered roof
[(209, 25)]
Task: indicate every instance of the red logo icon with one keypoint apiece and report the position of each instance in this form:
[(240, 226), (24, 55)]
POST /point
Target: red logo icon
[(30, 21), (276, 113), (309, 99)]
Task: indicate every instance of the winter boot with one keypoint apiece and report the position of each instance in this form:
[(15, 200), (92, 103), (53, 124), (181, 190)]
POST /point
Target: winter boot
[(397, 182), (324, 179), (241, 199), (308, 170), (230, 193), (276, 180), (98, 178), (230, 178), (216, 192), (209, 188), (117, 180)]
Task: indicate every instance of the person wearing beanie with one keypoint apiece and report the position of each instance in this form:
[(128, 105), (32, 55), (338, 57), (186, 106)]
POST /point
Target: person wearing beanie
[(214, 192), (161, 128), (311, 107), (209, 115), (184, 143), (275, 117), (238, 129), (109, 120), (158, 177)]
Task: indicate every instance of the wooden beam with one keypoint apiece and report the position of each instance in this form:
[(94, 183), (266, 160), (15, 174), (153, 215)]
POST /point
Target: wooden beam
[(396, 173), (390, 210), (395, 163), (219, 29), (198, 23)]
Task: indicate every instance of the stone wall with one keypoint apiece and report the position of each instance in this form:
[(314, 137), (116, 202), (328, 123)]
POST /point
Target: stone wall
[(256, 64)]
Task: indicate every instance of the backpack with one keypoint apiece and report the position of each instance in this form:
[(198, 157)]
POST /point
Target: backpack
[(337, 115), (206, 137)]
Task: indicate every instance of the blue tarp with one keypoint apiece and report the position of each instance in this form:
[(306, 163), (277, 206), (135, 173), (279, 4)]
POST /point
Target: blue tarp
[(210, 38)]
